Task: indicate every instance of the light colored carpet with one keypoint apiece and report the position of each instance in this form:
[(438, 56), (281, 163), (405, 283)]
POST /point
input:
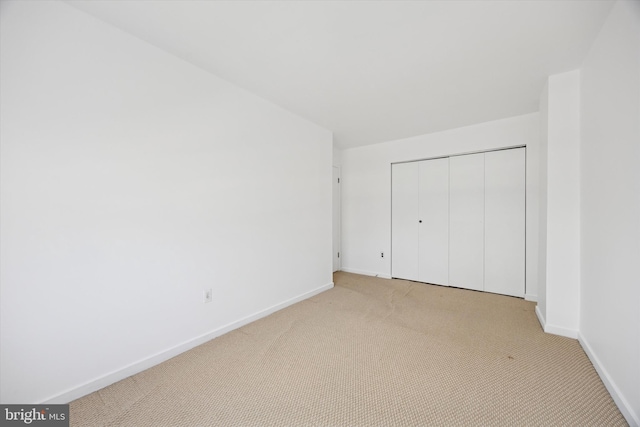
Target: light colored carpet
[(370, 352)]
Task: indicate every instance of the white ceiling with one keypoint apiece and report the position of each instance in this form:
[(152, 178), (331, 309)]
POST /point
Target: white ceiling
[(374, 71)]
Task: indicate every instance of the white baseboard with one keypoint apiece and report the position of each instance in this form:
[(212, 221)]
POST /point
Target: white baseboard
[(531, 297), (366, 273), (559, 330), (141, 365), (553, 329), (627, 411), (632, 418)]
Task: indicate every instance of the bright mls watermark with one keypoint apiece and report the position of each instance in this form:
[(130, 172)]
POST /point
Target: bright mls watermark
[(34, 415)]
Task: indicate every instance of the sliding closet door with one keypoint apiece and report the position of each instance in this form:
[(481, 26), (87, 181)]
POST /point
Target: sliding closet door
[(466, 235), (505, 222), (434, 222), (405, 210)]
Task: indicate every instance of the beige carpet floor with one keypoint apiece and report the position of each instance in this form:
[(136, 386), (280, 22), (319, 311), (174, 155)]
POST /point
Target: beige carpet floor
[(370, 352)]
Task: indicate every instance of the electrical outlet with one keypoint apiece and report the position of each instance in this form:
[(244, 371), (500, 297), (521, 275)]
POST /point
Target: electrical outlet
[(381, 254), (208, 295)]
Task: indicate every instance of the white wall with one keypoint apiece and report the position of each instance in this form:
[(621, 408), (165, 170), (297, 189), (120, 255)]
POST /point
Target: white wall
[(561, 201), (543, 151), (337, 156), (366, 191), (532, 214), (131, 182), (610, 206)]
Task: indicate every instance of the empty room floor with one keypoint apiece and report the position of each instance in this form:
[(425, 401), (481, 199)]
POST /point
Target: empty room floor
[(368, 352)]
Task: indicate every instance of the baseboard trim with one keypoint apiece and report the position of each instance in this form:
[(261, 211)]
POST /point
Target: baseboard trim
[(366, 273), (141, 365), (553, 329), (559, 330), (627, 411), (530, 297)]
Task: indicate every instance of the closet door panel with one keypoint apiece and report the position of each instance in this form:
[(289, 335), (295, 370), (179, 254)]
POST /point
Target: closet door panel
[(505, 222), (466, 228), (434, 228), (404, 220)]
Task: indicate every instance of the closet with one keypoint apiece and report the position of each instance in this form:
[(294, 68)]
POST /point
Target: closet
[(460, 221)]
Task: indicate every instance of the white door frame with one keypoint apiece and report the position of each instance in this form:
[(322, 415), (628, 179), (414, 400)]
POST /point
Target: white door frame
[(337, 215)]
